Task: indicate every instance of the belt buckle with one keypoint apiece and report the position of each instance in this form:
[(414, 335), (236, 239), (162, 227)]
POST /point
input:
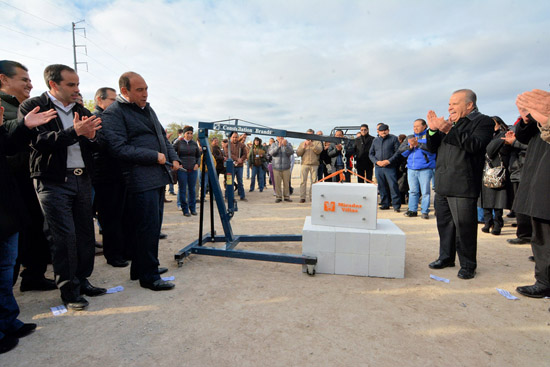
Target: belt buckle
[(78, 171)]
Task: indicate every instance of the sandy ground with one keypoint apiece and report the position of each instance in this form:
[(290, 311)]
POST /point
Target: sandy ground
[(230, 312)]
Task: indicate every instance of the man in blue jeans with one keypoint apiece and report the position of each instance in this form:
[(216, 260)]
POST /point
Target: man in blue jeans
[(420, 166), (384, 153)]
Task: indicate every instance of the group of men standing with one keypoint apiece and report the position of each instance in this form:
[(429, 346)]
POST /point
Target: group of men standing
[(121, 151)]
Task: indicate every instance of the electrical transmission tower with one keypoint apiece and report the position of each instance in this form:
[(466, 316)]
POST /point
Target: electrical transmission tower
[(75, 45)]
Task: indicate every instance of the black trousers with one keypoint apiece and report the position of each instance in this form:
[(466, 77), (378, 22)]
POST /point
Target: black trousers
[(110, 202), (146, 210), (69, 228), (540, 244), (524, 229), (34, 250), (365, 171), (457, 227)]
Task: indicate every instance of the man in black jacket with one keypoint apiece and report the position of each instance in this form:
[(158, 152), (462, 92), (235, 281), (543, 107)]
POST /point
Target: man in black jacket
[(532, 197), (460, 144), (135, 136), (363, 164), (34, 250), (384, 154), (110, 192), (60, 162)]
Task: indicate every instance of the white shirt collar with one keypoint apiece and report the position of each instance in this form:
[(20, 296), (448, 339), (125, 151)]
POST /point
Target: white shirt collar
[(59, 104)]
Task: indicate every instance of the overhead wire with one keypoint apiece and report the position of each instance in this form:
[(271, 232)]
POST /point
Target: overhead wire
[(35, 16)]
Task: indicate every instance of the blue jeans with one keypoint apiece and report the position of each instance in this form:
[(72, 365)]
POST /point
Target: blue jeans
[(187, 182), (257, 171), (387, 176), (419, 182), (239, 179), (9, 310)]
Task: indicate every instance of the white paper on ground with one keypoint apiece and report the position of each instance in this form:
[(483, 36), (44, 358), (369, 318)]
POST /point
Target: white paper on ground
[(506, 294), (115, 289), (58, 310), (435, 277)]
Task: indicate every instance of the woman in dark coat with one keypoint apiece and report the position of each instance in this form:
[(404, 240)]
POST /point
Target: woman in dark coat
[(189, 154), (497, 199)]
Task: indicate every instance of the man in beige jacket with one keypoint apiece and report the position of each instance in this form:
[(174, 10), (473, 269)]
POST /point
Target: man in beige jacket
[(309, 151)]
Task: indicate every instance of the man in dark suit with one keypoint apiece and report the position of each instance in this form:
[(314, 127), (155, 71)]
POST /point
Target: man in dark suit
[(363, 164), (460, 144), (134, 135), (60, 159)]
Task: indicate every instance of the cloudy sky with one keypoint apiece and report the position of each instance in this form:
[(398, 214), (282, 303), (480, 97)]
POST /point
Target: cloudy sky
[(294, 64)]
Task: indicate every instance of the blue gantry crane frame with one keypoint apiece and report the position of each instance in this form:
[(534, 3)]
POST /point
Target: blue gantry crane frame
[(226, 213)]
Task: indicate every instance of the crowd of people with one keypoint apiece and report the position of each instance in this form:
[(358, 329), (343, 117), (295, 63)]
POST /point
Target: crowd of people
[(62, 165)]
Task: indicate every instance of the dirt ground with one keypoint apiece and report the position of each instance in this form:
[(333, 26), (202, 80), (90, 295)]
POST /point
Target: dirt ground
[(230, 312)]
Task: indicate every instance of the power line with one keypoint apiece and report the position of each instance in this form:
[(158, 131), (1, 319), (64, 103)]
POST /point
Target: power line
[(101, 48), (36, 38), (35, 16), (29, 57)]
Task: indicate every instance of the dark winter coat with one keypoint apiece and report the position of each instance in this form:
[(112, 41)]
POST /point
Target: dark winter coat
[(460, 155), (386, 148), (48, 157), (532, 197), (135, 136), (362, 148), (498, 152), (12, 207), (107, 169)]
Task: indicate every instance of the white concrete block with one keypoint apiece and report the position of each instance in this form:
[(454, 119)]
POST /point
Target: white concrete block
[(395, 267), (317, 238), (352, 240), (351, 264), (388, 239), (377, 266), (351, 205)]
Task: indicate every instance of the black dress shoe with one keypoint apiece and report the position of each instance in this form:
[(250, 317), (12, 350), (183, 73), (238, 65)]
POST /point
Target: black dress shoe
[(408, 213), (186, 214), (397, 210), (37, 284), (533, 291), (162, 270), (157, 285), (465, 273), (384, 207), (91, 291), (77, 303), (23, 331), (518, 241), (7, 343), (193, 213), (162, 236), (118, 263), (440, 264)]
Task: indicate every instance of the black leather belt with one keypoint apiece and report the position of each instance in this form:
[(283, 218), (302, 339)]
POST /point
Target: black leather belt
[(76, 171)]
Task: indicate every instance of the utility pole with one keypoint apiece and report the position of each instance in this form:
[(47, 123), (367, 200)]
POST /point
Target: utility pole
[(75, 45)]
